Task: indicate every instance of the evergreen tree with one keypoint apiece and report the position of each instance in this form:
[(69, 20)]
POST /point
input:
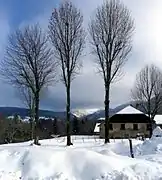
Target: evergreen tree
[(55, 126), (16, 119), (75, 125)]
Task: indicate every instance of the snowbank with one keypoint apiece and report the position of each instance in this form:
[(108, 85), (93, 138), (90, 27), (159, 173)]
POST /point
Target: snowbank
[(152, 145), (72, 164), (86, 160)]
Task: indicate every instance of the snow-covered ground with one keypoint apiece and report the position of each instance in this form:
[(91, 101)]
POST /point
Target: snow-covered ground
[(88, 159)]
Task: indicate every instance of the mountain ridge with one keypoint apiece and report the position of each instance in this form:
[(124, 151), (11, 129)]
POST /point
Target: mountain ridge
[(10, 111), (88, 114)]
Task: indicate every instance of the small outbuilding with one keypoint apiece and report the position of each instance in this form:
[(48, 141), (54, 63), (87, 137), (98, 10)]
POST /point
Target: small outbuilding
[(129, 122), (97, 129)]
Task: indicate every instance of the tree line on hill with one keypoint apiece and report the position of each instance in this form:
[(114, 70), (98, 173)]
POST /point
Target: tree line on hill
[(36, 59), (16, 130)]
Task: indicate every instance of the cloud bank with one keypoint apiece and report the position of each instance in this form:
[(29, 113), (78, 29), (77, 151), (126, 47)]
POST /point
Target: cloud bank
[(87, 88)]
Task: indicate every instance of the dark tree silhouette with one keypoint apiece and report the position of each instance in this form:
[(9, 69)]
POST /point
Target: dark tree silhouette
[(68, 39), (29, 63), (111, 36), (55, 126), (147, 91), (75, 125)]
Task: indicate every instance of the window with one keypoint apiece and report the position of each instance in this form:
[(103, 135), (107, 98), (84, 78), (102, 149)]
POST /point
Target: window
[(148, 127), (122, 127), (135, 127), (110, 126)]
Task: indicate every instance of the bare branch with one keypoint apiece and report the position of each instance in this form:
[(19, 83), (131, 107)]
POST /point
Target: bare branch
[(147, 89), (111, 32), (68, 39)]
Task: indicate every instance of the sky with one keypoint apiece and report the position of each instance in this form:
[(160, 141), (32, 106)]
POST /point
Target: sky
[(87, 89)]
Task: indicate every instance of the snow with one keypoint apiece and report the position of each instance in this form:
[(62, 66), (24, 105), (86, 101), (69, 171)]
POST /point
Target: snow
[(101, 119), (97, 128), (129, 110), (152, 145), (158, 119), (88, 159), (26, 119), (84, 112)]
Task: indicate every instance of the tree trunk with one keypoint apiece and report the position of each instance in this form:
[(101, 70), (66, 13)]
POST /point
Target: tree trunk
[(151, 127), (68, 116), (149, 114), (107, 101), (36, 124), (31, 127), (31, 123)]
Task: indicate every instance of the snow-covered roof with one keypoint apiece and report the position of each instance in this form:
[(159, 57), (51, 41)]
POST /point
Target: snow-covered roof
[(10, 117), (129, 110), (97, 127), (158, 119), (101, 118)]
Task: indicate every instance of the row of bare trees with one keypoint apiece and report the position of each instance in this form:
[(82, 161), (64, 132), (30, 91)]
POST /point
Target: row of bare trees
[(34, 57), (31, 63)]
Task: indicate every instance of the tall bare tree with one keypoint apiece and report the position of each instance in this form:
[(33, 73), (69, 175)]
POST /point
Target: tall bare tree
[(68, 38), (111, 36), (147, 91), (29, 63)]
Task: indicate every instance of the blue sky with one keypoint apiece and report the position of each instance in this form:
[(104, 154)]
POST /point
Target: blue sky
[(87, 89), (19, 11)]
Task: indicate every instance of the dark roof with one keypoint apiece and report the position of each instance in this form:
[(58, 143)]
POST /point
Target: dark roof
[(129, 118)]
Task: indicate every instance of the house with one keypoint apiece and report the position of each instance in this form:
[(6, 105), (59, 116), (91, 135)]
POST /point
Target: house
[(129, 122)]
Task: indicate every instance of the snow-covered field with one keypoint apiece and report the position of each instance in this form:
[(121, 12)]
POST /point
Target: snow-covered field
[(88, 159)]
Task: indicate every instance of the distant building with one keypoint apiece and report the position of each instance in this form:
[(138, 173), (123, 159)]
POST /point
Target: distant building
[(129, 122), (97, 129)]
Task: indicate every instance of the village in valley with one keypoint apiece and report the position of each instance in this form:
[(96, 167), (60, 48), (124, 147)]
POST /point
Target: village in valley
[(60, 67)]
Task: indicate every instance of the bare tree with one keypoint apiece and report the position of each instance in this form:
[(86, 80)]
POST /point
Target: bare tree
[(68, 38), (111, 35), (29, 63), (147, 91)]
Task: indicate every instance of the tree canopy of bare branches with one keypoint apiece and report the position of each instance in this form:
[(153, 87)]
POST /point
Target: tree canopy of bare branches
[(147, 90), (29, 64), (68, 38), (111, 36)]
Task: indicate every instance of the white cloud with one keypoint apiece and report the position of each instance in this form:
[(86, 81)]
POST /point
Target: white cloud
[(4, 30), (146, 49), (6, 91), (88, 88), (146, 44)]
